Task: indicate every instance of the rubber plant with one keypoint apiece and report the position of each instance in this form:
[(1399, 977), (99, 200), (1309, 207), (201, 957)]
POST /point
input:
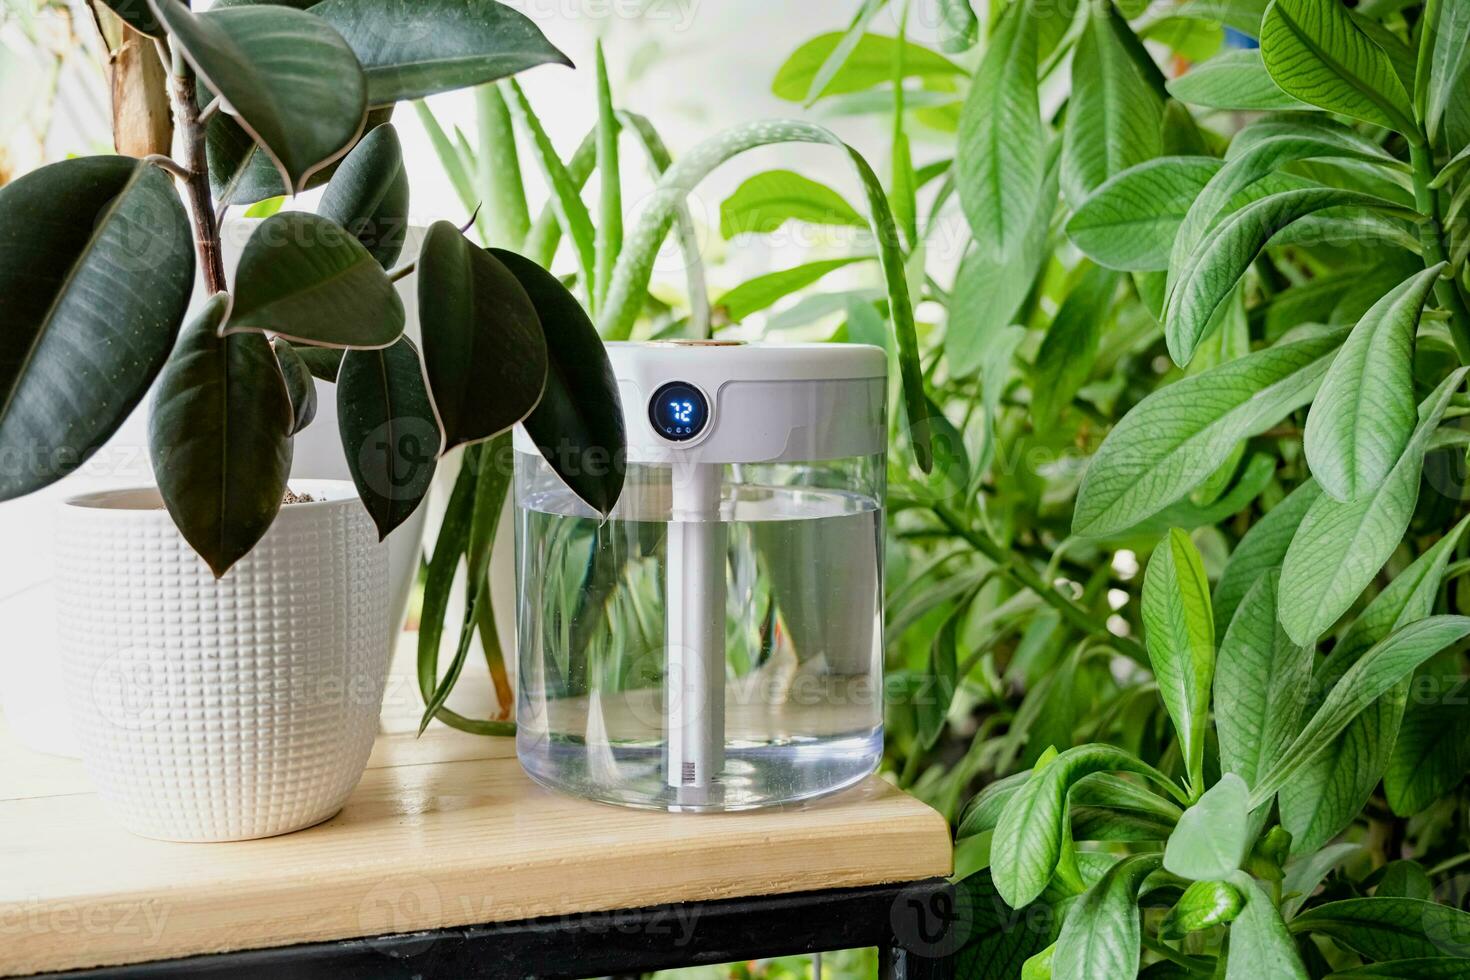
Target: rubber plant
[(98, 258), (1187, 604)]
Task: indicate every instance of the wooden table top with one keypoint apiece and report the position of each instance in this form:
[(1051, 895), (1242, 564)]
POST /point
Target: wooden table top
[(442, 831)]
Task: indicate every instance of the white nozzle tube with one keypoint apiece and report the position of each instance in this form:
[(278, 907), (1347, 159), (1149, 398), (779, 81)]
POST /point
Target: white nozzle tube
[(694, 676)]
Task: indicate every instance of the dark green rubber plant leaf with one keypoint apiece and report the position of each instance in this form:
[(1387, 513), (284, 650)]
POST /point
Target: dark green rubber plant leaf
[(484, 349), (322, 362), (578, 424), (220, 437), (305, 278), (96, 266), (240, 172), (287, 77), (138, 15), (299, 384), (368, 195), (389, 433), (413, 48)]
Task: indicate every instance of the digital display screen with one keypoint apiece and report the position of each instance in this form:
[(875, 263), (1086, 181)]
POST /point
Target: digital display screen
[(678, 411)]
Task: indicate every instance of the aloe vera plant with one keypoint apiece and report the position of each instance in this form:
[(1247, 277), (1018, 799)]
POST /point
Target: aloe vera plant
[(1184, 600), (98, 258)]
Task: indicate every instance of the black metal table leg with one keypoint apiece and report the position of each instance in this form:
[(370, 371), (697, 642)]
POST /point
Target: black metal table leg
[(927, 932), (913, 923)]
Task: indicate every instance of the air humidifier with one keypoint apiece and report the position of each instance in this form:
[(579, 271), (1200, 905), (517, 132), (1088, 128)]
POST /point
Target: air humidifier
[(716, 642)]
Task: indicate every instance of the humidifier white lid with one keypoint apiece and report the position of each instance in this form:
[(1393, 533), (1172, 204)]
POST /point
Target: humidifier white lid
[(760, 402)]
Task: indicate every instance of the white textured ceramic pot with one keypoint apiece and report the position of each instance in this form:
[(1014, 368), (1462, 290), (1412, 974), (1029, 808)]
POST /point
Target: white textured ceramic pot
[(222, 710)]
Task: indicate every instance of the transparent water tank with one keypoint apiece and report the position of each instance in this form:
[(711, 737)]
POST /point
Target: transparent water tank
[(716, 644)]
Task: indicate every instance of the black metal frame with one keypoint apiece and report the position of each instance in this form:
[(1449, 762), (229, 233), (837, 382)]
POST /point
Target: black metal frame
[(915, 925)]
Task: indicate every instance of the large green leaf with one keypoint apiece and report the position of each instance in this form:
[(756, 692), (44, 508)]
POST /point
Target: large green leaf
[(306, 278), (1000, 157), (484, 347), (1332, 789), (287, 77), (1260, 945), (869, 63), (1177, 436), (413, 48), (634, 269), (1028, 839), (1214, 835), (1067, 352), (1261, 685), (1441, 75), (389, 434), (1180, 632), (96, 265), (990, 290), (1235, 80), (1379, 670), (1259, 551), (1102, 934), (1390, 928), (1130, 221), (760, 293), (768, 200), (368, 195), (1115, 116), (578, 424), (1316, 52), (220, 437), (1430, 756), (1253, 170), (1210, 272), (1340, 547), (1364, 412)]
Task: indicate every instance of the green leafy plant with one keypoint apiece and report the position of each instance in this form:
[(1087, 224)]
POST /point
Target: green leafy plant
[(98, 258), (1183, 597)]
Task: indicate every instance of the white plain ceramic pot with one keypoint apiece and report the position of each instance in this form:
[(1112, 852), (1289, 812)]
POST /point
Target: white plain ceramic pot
[(212, 710)]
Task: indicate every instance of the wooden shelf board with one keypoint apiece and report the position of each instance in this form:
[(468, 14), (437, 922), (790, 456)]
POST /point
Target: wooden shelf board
[(442, 831)]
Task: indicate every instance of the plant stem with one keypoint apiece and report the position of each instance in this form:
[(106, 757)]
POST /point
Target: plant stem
[(1191, 963), (1431, 233), (196, 164), (1024, 574)]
